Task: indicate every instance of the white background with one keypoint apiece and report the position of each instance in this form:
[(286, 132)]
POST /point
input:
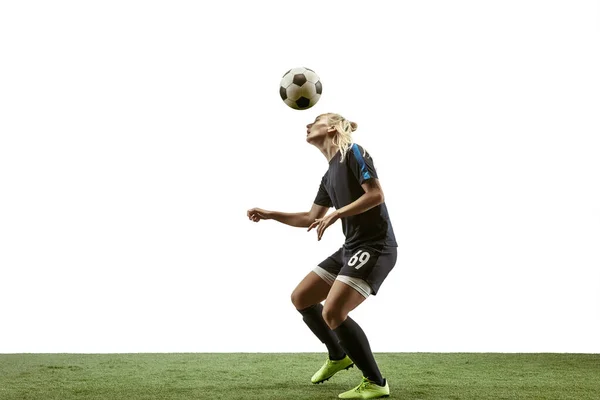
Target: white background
[(134, 136)]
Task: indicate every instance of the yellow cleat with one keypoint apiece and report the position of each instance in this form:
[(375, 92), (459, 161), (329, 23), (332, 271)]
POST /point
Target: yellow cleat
[(367, 390), (330, 368)]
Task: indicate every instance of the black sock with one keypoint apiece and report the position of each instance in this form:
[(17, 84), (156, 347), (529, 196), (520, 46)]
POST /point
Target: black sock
[(354, 341), (313, 317)]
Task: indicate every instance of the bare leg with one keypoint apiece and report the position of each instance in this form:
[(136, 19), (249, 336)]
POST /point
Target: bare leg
[(311, 290), (340, 301)]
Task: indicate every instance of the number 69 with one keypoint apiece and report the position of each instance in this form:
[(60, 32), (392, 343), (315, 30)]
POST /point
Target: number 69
[(364, 257)]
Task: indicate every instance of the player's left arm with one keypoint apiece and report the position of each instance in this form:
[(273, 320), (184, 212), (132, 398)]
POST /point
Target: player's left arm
[(372, 197), (363, 169)]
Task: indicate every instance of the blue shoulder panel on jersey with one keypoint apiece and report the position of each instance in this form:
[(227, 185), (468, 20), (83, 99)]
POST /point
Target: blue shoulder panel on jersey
[(361, 162)]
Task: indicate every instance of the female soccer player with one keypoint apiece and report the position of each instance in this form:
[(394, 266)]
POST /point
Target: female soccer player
[(347, 277)]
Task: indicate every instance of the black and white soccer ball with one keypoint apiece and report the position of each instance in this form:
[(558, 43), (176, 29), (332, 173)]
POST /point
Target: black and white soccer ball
[(300, 88)]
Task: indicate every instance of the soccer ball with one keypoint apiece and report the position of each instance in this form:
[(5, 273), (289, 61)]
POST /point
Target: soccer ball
[(300, 88)]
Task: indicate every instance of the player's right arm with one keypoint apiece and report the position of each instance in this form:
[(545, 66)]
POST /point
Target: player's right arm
[(300, 220)]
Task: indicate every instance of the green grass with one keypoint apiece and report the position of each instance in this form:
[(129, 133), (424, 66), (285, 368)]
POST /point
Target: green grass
[(263, 376)]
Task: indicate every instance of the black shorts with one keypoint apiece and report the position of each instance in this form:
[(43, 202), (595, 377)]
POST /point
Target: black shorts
[(370, 262)]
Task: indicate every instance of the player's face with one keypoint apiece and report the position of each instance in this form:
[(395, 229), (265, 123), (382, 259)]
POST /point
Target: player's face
[(318, 128)]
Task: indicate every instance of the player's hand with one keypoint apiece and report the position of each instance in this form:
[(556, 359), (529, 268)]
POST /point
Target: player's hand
[(256, 214), (324, 223)]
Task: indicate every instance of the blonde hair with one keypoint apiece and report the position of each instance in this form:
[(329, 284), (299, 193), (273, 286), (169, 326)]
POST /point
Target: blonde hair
[(343, 137)]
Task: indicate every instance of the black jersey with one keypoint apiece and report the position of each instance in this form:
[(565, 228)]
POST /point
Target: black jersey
[(341, 185)]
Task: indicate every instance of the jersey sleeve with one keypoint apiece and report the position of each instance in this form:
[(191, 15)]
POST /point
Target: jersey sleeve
[(323, 198), (362, 166)]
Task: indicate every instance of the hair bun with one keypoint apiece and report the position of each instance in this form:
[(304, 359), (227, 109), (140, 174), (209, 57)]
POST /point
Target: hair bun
[(354, 126)]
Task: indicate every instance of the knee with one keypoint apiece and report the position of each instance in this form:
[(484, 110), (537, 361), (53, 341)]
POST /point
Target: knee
[(333, 317), (298, 301)]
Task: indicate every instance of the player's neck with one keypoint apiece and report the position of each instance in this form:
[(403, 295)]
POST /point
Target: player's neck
[(329, 150)]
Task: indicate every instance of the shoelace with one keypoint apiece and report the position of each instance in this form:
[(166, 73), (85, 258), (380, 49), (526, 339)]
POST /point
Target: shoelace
[(362, 385)]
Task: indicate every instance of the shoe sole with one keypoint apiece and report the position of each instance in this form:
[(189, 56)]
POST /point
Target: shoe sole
[(384, 396), (326, 379)]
